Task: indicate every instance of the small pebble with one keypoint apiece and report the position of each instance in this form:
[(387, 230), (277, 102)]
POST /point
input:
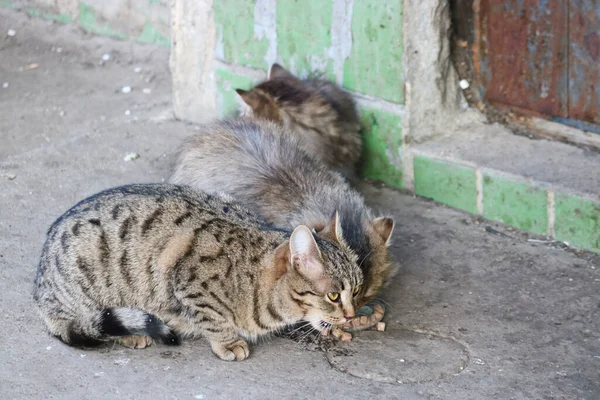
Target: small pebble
[(98, 374), (126, 89), (146, 90), (380, 326), (464, 84), (199, 396), (6, 175), (105, 57), (122, 361), (137, 70), (11, 32), (127, 112), (49, 348), (5, 85), (131, 156), (402, 360)]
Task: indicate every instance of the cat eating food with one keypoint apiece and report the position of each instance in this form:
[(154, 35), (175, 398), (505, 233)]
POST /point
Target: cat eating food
[(159, 262), (263, 167)]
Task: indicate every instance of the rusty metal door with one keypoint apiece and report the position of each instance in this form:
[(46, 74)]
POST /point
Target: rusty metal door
[(542, 57)]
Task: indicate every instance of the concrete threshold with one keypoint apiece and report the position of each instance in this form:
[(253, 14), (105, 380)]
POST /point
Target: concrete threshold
[(543, 187)]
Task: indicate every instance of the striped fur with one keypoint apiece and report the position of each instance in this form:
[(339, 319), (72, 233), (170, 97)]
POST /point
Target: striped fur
[(263, 167), (322, 116), (166, 261)]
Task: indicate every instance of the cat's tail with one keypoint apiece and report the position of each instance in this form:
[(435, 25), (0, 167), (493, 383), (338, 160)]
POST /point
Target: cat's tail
[(93, 328)]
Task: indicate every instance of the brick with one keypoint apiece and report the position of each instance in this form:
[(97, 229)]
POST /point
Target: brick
[(150, 34), (448, 183), (236, 41), (382, 146), (375, 65), (577, 221), (304, 36), (227, 98), (88, 22), (515, 203)]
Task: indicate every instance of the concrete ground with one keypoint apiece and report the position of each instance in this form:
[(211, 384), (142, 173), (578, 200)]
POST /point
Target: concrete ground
[(477, 312)]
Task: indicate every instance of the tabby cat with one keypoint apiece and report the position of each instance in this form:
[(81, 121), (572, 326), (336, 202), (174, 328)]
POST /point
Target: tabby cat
[(322, 115), (158, 262), (263, 167)]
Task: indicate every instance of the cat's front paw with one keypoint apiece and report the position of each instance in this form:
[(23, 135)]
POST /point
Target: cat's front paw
[(236, 351), (135, 341)]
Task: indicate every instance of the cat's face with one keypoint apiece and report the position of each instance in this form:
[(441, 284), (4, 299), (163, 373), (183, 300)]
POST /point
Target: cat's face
[(326, 279)]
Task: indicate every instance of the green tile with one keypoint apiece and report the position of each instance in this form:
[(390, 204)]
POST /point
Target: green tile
[(89, 22), (375, 63), (577, 221), (515, 203), (227, 98), (382, 146), (62, 18), (152, 35), (234, 20), (304, 35), (447, 183)]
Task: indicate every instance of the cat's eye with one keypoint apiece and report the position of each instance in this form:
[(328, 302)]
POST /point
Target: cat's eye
[(333, 296), (356, 290)]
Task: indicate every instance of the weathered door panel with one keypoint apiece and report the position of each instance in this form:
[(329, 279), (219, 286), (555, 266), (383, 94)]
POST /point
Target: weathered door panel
[(584, 60), (524, 49)]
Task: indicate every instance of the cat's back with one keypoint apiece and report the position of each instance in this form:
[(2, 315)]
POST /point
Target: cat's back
[(244, 157), (340, 100), (264, 168)]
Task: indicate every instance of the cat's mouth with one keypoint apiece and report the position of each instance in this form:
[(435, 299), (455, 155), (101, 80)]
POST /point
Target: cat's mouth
[(324, 327)]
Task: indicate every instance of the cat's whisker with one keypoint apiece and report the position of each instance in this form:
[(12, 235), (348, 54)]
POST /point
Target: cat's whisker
[(300, 327)]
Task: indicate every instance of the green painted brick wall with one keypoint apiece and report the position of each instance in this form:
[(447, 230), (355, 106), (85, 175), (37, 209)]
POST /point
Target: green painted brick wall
[(375, 64), (234, 20), (88, 21), (577, 221), (304, 35), (515, 203), (451, 184), (302, 32), (382, 146)]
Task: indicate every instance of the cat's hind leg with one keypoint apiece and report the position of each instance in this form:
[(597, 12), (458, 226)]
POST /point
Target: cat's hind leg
[(135, 341)]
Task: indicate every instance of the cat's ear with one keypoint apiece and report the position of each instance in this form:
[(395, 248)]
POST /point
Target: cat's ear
[(305, 254), (384, 226), (333, 229), (250, 97), (277, 71)]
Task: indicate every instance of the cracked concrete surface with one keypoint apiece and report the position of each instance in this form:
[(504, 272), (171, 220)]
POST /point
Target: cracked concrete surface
[(472, 315)]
